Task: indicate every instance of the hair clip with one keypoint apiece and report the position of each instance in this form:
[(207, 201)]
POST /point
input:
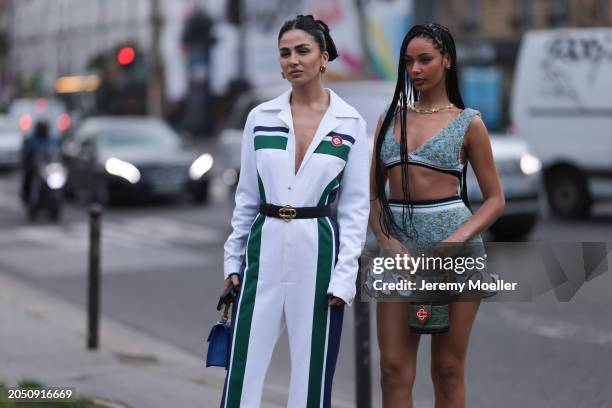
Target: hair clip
[(323, 26)]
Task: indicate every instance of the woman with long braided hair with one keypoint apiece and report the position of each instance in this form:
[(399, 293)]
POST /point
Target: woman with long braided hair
[(424, 141)]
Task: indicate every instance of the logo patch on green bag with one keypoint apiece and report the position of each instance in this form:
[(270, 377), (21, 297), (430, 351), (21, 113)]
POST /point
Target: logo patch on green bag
[(422, 314)]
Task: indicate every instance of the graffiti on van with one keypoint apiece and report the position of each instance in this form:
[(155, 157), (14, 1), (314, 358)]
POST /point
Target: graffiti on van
[(556, 83), (569, 48), (568, 52)]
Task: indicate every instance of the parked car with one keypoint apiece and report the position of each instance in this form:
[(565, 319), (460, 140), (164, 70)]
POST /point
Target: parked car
[(229, 141), (10, 143), (26, 111), (518, 168), (133, 158), (520, 174), (561, 106)]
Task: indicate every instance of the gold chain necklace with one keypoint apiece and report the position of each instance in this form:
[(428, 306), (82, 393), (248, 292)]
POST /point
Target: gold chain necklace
[(413, 108)]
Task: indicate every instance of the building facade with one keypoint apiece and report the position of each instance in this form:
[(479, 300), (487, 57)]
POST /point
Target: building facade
[(488, 32), (5, 29), (501, 23), (50, 39)]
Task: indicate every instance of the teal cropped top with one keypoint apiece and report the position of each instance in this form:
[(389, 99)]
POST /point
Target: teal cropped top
[(440, 152)]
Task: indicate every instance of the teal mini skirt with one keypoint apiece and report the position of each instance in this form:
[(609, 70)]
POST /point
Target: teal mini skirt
[(432, 222)]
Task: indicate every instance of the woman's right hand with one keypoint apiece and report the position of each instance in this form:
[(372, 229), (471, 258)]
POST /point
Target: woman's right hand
[(391, 248), (232, 280)]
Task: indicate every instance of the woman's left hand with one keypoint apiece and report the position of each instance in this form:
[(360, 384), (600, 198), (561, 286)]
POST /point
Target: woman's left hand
[(447, 248), (335, 301), (453, 238)]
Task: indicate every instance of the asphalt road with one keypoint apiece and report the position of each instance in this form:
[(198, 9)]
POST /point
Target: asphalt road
[(162, 267)]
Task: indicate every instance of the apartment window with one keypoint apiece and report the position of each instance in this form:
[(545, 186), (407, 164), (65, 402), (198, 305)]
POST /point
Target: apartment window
[(560, 12), (522, 14), (473, 15), (602, 11)]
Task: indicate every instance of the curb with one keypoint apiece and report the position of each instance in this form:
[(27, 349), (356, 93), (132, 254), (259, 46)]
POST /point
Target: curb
[(102, 403)]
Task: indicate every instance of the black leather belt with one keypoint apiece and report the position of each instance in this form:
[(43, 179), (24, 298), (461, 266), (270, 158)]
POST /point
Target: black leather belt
[(287, 212)]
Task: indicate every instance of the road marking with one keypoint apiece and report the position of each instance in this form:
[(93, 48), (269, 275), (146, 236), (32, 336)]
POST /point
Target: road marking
[(10, 200), (170, 231), (558, 330), (148, 232)]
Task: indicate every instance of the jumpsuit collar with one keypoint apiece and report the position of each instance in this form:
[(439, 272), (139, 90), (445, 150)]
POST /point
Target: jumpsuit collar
[(337, 109)]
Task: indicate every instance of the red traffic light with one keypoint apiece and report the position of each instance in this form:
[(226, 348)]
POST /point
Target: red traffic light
[(126, 55)]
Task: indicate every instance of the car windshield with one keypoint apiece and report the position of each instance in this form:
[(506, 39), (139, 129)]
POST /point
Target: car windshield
[(142, 135), (7, 129), (41, 106)]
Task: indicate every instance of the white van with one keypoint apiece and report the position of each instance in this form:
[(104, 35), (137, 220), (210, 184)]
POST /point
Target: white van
[(562, 107)]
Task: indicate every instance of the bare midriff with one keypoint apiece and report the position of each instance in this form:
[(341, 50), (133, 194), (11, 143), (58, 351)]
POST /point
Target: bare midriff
[(423, 183)]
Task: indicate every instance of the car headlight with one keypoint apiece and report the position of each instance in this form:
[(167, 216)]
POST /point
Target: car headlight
[(230, 177), (122, 169), (55, 175), (200, 166), (530, 164)]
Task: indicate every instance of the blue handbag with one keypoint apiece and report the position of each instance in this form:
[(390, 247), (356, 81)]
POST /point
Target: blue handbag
[(219, 343), (220, 335)]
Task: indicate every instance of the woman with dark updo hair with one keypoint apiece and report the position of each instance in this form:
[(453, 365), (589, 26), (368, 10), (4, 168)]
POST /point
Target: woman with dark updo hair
[(424, 141), (295, 264)]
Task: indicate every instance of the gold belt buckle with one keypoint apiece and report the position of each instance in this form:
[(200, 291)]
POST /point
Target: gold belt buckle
[(287, 213)]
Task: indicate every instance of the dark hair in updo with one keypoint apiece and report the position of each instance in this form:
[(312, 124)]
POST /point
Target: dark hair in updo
[(316, 28)]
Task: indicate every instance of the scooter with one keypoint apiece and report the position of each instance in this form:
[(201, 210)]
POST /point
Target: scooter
[(46, 189)]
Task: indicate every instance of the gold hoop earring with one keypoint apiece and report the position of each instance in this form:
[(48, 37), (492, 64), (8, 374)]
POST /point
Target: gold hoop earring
[(323, 69)]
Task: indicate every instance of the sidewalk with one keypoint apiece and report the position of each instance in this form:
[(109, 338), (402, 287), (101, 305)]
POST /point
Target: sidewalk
[(44, 338)]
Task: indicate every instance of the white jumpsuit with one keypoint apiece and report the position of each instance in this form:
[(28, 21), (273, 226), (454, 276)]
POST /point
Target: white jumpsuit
[(289, 269)]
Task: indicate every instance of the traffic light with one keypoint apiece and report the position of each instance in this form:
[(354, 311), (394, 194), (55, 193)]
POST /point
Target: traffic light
[(126, 56), (130, 61), (123, 80)]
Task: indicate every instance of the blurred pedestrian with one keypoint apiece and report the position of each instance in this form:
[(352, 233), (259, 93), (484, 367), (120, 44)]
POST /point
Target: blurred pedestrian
[(36, 145), (424, 141), (300, 152)]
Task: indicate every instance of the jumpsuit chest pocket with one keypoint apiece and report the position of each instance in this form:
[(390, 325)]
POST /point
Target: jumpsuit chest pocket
[(331, 155)]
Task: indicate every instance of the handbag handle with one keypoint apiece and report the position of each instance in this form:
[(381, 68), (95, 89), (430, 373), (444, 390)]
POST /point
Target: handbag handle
[(226, 298), (226, 311)]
